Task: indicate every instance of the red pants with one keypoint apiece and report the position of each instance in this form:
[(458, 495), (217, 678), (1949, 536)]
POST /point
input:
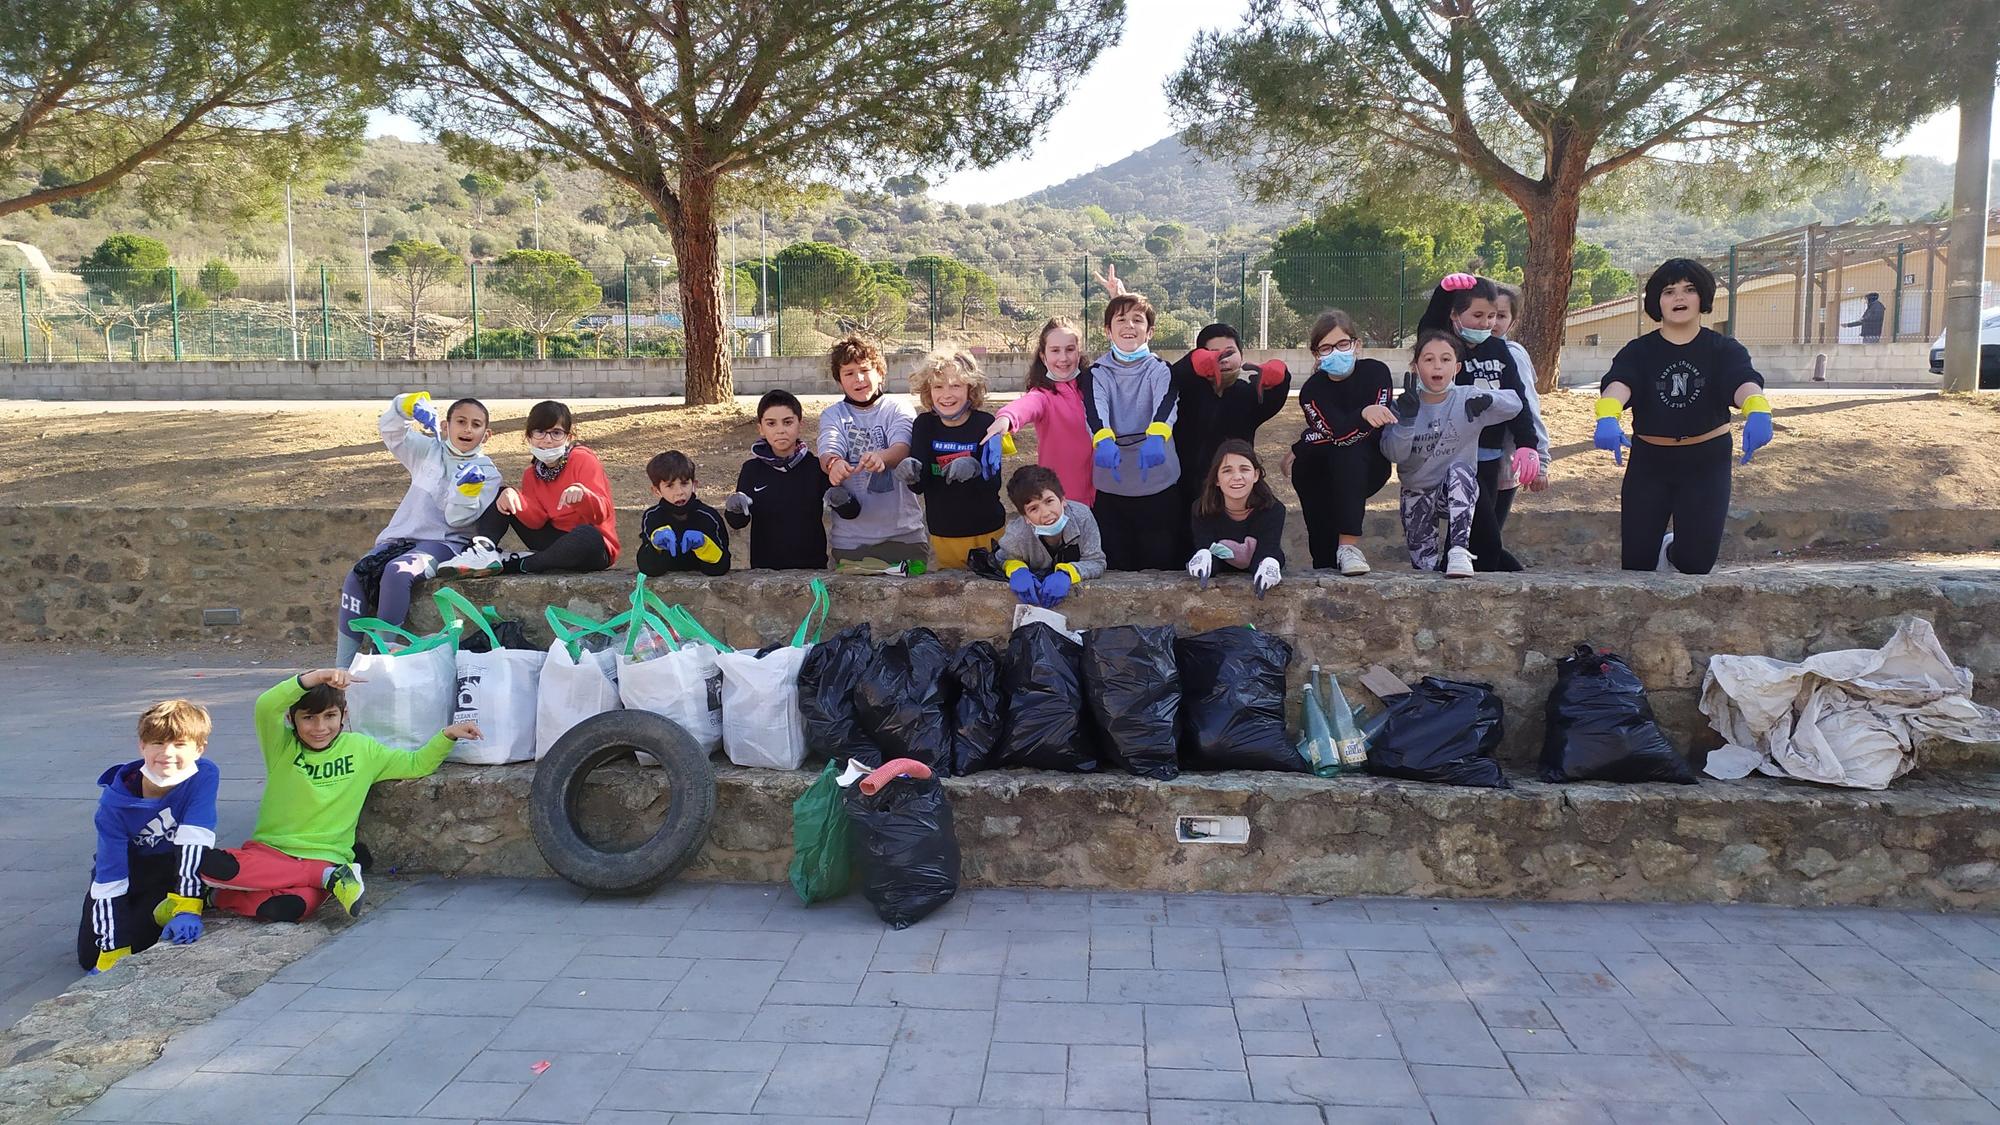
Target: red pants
[(263, 873)]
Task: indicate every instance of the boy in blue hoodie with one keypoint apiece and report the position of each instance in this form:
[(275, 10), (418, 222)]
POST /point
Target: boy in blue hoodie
[(155, 821)]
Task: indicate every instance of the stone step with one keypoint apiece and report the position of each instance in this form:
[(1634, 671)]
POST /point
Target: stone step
[(1927, 843), (1504, 629)]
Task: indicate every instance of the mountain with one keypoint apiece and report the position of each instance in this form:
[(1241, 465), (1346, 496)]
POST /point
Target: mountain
[(1169, 181)]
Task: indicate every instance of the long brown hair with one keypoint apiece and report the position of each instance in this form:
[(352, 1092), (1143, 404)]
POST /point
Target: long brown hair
[(1209, 504), (1038, 372)]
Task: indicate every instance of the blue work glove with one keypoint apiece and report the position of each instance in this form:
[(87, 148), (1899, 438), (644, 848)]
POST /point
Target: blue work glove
[(1056, 587), (1756, 425), (1104, 453), (1022, 582), (182, 929), (1611, 436), (472, 478), (700, 546), (989, 457), (668, 540), (1153, 450)]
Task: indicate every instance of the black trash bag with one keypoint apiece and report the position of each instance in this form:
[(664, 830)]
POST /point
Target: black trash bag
[(903, 702), (1444, 731), (979, 717), (827, 679), (1601, 726), (1043, 686), (904, 842), (1134, 691), (510, 632), (1233, 701)]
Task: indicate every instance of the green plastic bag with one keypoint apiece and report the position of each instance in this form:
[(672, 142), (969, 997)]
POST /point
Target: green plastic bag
[(822, 840)]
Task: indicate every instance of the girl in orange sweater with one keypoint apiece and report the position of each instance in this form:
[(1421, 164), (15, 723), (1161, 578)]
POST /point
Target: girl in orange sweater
[(561, 511)]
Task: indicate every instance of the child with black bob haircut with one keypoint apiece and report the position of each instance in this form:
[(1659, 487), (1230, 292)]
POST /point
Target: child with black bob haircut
[(780, 489), (1467, 307), (1053, 545), (1239, 519), (680, 534), (1680, 381)]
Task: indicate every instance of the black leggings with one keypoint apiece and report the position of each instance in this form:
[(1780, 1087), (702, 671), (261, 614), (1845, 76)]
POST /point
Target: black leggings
[(1142, 532), (1685, 484), (581, 548), (1488, 552), (1334, 484)]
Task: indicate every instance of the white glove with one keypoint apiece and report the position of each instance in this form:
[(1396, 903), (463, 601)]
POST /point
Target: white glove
[(1266, 577), (738, 503), (907, 469), (961, 470), (1201, 565)]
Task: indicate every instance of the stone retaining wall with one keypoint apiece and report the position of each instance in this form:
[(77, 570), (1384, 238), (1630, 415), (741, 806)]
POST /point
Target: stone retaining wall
[(1928, 844), (124, 575)]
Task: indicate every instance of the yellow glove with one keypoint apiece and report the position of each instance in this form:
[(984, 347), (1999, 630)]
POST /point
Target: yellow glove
[(1608, 407), (109, 957), (1007, 444), (1074, 575), (175, 904)]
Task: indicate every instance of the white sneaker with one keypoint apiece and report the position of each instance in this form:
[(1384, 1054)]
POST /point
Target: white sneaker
[(1458, 563), (1352, 562), (479, 558), (1666, 541)]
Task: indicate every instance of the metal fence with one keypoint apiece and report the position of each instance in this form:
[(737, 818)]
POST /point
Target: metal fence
[(777, 307)]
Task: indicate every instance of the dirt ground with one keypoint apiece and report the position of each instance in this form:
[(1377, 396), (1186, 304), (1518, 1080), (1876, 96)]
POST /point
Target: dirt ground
[(1832, 451)]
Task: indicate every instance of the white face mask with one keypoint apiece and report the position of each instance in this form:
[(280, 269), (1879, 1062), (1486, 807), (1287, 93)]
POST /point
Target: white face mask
[(549, 456), (165, 781)]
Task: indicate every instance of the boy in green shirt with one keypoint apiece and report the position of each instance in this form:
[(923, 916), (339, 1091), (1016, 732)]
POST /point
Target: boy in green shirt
[(316, 776)]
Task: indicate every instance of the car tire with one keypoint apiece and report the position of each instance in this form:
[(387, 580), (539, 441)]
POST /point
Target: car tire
[(554, 801)]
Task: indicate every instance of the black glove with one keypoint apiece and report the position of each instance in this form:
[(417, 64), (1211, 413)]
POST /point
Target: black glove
[(1475, 405), (1407, 404)]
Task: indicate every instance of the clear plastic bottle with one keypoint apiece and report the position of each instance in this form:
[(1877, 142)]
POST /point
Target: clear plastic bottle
[(1316, 743), (1346, 735)]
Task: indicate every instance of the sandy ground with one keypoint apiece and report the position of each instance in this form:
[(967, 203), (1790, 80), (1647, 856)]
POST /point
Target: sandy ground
[(1832, 451)]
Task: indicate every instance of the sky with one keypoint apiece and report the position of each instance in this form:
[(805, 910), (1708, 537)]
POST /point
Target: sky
[(1079, 137)]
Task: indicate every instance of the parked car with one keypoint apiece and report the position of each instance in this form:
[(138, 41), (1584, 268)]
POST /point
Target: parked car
[(1989, 350)]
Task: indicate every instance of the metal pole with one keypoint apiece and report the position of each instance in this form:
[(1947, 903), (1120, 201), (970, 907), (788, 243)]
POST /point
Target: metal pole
[(933, 304), (291, 272), (538, 220), (1965, 267), (763, 276), (1735, 329), (732, 289), (1402, 292), (367, 275), (1263, 310), (777, 348), (174, 307), (473, 269), (1896, 310), (628, 308), (325, 318), (22, 282), (1086, 305)]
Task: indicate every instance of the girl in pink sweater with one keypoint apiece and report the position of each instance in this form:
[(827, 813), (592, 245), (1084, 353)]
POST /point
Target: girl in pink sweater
[(1054, 405)]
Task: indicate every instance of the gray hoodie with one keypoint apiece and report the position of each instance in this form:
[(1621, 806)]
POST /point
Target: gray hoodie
[(1125, 398), (1079, 544)]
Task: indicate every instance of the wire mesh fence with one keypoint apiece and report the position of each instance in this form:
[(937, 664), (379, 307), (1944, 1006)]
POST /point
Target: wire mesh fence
[(558, 309)]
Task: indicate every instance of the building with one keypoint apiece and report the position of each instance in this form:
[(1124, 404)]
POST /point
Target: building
[(1802, 286)]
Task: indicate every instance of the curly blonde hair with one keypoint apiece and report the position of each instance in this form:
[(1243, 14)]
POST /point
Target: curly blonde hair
[(949, 366)]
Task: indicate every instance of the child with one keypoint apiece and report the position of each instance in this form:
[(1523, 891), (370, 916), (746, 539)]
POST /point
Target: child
[(1053, 546), (1680, 380), (1434, 444), (953, 464), (1217, 403), (1337, 463), (155, 820), (680, 533), (451, 482), (562, 511), (316, 776), (1507, 315), (1467, 305), (1130, 406), (862, 438), (1239, 519), (782, 486), (1054, 407)]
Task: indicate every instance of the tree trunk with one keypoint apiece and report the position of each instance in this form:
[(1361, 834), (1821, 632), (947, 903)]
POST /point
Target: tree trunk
[(1545, 286), (691, 223)]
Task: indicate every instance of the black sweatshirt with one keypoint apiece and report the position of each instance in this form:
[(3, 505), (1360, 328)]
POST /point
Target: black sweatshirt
[(1266, 525), (1490, 365), (1682, 390), (1333, 407), (1208, 419), (954, 509), (693, 515), (787, 531)]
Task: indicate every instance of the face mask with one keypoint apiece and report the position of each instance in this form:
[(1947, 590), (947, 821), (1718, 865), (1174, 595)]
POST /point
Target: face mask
[(1132, 356), (1338, 365), (162, 780), (1055, 378), (1474, 336), (549, 456), (1054, 529)]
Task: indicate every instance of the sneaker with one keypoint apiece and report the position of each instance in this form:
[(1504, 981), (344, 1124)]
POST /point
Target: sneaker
[(1666, 541), (1458, 563), (480, 558), (345, 883), (1352, 562), (511, 562)]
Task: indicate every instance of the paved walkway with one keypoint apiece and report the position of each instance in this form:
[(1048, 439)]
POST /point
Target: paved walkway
[(733, 1003)]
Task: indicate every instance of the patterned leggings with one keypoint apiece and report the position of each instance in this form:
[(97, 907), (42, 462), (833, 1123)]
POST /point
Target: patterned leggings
[(1454, 499)]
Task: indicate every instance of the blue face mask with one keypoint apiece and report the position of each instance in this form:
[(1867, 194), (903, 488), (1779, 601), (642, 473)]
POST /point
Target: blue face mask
[(1339, 365), (1132, 356), (1054, 529), (1474, 336)]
